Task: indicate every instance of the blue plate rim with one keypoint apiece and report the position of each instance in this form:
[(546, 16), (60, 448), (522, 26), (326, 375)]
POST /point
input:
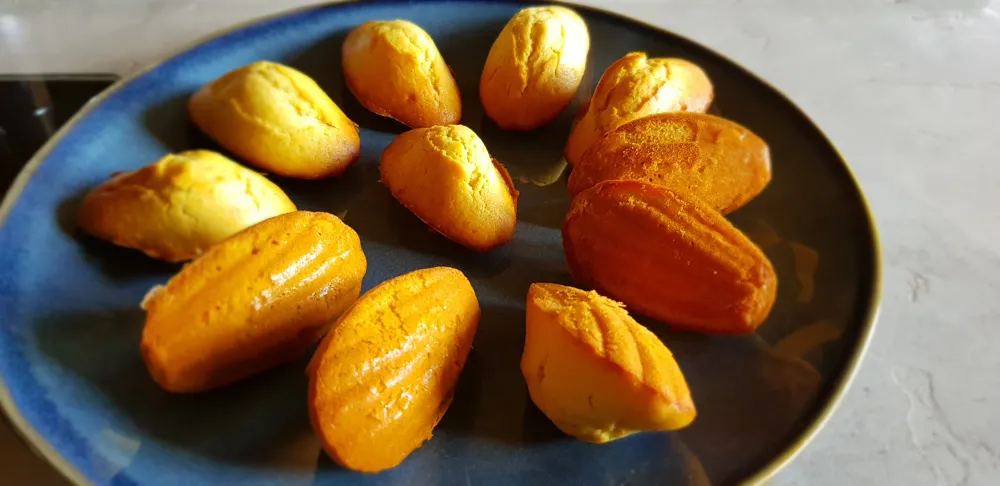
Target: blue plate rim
[(840, 384)]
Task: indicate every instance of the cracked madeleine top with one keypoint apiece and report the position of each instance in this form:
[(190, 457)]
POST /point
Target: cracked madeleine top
[(534, 67), (445, 175), (395, 70), (178, 207), (636, 86), (278, 119)]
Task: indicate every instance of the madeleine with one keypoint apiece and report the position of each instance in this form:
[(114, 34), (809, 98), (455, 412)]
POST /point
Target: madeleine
[(395, 70), (446, 177), (595, 372), (668, 257), (636, 86), (385, 375), (252, 302), (534, 67), (278, 119), (179, 206), (704, 156)]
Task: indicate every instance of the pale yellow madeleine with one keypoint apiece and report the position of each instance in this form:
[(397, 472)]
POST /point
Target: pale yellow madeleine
[(278, 119), (178, 207), (595, 372), (636, 86), (446, 177), (534, 67), (395, 70)]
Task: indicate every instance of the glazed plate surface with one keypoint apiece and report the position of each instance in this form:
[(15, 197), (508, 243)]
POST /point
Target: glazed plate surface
[(74, 384)]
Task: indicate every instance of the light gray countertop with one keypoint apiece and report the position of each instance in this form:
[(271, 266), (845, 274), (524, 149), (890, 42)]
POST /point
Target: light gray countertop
[(909, 91)]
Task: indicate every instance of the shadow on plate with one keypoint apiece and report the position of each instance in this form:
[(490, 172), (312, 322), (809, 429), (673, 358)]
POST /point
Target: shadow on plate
[(531, 262), (322, 62), (491, 399), (118, 263), (544, 206), (170, 124), (333, 195), (257, 423), (378, 217), (772, 391)]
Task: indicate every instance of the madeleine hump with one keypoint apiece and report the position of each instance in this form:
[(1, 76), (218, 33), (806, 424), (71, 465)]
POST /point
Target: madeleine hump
[(385, 375), (395, 70), (446, 177), (674, 259), (278, 119), (534, 68), (254, 301), (636, 86), (711, 158), (595, 372), (179, 206)]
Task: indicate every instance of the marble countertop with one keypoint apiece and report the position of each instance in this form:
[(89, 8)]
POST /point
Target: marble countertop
[(909, 91)]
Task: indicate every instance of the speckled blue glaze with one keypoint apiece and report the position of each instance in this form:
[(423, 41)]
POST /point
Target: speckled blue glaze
[(69, 306)]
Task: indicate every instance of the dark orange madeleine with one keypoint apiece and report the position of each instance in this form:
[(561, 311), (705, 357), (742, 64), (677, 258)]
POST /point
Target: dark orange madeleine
[(671, 258), (714, 159), (258, 299), (384, 376)]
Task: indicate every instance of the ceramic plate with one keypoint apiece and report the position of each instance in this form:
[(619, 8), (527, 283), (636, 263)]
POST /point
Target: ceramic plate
[(74, 384)]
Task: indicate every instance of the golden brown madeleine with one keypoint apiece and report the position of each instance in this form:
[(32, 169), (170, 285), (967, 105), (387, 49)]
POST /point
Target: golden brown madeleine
[(671, 258), (445, 176), (178, 207), (534, 67), (595, 372), (711, 158), (256, 300), (636, 86), (385, 375), (395, 70), (277, 119)]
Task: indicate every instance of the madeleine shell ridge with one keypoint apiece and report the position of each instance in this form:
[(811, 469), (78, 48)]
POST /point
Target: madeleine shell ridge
[(254, 301), (671, 258), (383, 378), (595, 372)]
